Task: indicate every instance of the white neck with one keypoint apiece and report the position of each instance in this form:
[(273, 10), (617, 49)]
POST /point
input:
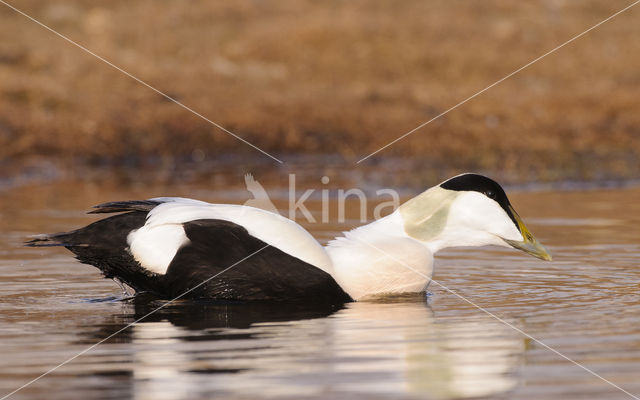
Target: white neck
[(380, 258), (395, 253)]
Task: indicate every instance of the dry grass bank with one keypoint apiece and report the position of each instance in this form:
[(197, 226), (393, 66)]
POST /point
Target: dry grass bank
[(327, 77)]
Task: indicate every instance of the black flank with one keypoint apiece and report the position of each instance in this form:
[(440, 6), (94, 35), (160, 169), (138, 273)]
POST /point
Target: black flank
[(270, 274)]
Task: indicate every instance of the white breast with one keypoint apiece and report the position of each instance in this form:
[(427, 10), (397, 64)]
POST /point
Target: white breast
[(156, 243), (380, 258)]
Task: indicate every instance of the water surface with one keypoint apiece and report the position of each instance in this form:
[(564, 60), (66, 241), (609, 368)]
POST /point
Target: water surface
[(585, 304)]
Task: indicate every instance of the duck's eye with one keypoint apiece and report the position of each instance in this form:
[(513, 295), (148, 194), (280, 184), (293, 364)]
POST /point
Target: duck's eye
[(490, 194)]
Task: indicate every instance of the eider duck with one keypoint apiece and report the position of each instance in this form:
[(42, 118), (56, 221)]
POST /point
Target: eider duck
[(176, 247)]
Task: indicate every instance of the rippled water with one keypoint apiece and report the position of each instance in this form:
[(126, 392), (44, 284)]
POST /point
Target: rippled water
[(585, 305)]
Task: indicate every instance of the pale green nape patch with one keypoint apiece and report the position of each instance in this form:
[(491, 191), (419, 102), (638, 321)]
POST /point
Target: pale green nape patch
[(425, 216)]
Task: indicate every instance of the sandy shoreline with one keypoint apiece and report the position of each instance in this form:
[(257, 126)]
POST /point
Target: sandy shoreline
[(343, 78)]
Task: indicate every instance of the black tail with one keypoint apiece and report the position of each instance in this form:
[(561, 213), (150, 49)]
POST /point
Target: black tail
[(79, 237), (103, 243), (51, 240)]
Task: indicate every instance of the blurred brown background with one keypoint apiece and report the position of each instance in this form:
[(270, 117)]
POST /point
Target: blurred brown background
[(325, 78)]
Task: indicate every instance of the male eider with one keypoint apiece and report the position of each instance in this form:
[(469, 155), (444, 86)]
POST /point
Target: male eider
[(170, 246)]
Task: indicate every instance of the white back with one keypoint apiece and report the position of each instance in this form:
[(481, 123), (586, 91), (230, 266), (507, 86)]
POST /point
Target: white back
[(156, 243)]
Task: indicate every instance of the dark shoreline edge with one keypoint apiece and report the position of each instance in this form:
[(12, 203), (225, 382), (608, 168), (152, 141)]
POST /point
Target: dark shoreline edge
[(408, 173)]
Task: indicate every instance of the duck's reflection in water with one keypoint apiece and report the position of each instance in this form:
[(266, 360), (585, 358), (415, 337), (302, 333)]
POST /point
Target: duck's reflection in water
[(197, 350), (442, 357)]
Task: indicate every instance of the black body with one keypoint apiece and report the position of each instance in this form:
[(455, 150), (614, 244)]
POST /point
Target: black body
[(248, 268)]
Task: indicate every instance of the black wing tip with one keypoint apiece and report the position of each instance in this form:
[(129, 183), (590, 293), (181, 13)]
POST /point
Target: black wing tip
[(123, 206)]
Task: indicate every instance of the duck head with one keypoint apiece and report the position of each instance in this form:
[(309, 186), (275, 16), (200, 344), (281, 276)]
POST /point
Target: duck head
[(468, 210)]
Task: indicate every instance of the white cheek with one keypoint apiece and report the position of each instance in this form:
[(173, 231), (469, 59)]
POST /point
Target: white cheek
[(483, 215), (508, 231)]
